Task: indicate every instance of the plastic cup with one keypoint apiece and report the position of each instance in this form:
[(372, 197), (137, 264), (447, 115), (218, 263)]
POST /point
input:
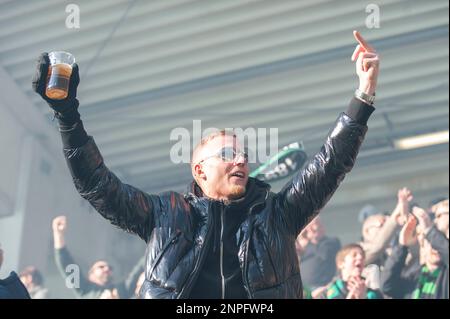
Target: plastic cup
[(59, 73)]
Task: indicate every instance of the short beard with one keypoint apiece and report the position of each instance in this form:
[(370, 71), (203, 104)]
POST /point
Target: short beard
[(237, 191)]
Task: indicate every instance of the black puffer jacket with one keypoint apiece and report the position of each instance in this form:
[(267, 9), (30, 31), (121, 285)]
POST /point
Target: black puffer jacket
[(12, 288), (177, 227)]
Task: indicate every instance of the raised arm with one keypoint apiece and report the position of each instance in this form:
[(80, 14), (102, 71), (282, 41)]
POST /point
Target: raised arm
[(64, 259), (309, 190), (393, 282), (437, 239), (378, 245), (122, 204)]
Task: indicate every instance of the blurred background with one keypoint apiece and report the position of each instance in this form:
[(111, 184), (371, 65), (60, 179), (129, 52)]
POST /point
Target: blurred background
[(148, 67)]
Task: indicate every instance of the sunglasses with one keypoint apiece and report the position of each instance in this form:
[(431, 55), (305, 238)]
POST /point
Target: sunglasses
[(228, 155)]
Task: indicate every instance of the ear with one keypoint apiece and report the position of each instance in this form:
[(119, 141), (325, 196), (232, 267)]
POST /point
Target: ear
[(199, 173)]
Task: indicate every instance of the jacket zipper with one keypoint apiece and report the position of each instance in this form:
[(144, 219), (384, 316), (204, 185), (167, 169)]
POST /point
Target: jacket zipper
[(221, 250), (187, 287)]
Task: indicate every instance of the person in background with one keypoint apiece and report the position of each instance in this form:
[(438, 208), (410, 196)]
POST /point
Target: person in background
[(32, 278), (434, 203), (11, 287), (99, 282), (317, 256), (378, 230), (441, 217), (430, 279), (350, 284)]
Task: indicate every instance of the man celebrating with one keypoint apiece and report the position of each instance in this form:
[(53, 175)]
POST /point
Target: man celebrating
[(99, 280), (229, 236)]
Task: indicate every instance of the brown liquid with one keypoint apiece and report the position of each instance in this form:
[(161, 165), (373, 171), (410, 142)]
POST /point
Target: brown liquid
[(58, 81)]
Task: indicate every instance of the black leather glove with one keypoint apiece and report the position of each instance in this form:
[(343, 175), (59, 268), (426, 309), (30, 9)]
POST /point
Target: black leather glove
[(61, 107)]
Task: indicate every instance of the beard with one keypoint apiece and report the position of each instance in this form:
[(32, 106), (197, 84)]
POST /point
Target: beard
[(237, 191)]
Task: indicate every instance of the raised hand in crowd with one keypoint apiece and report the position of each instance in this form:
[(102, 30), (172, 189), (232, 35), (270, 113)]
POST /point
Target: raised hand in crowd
[(424, 220), (408, 234), (59, 226), (301, 242), (404, 198), (378, 230)]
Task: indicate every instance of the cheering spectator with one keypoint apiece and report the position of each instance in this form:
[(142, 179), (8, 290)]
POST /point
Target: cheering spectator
[(430, 280), (99, 283), (317, 255), (350, 284), (378, 230)]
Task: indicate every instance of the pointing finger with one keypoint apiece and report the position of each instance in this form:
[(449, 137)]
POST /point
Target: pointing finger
[(363, 43)]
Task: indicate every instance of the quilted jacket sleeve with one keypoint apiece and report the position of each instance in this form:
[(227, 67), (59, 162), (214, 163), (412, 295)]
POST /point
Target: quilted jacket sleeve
[(122, 204), (309, 190)]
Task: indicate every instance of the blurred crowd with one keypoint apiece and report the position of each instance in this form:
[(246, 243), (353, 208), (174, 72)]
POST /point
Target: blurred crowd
[(402, 254)]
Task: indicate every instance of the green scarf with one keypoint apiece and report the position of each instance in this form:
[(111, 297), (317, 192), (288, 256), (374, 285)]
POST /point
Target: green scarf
[(426, 286), (338, 290)]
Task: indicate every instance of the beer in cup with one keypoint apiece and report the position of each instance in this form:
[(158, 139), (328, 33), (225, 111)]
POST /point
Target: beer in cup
[(59, 73)]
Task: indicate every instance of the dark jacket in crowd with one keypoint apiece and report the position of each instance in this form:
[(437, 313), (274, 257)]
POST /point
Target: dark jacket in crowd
[(318, 264), (397, 283), (254, 254), (439, 242), (12, 288), (89, 290)]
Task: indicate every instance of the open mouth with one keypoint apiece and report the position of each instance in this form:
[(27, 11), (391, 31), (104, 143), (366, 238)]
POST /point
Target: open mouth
[(359, 265), (238, 174)]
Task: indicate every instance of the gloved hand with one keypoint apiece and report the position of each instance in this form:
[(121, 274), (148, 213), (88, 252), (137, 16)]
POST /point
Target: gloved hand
[(70, 103)]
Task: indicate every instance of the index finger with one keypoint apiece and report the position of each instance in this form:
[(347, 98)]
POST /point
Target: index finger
[(363, 43)]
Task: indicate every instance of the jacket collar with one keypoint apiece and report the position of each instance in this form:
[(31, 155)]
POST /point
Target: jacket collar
[(256, 192)]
